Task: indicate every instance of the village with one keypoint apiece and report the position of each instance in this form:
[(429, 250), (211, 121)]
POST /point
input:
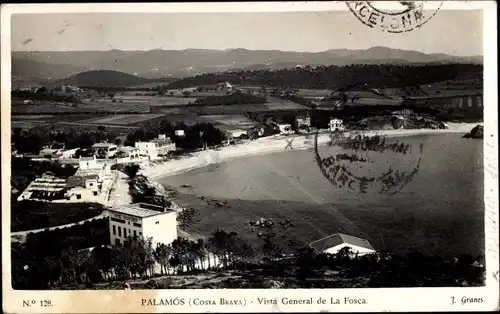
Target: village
[(113, 162)]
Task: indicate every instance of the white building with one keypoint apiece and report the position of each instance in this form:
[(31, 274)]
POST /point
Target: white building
[(336, 125), (128, 154), (285, 128), (104, 150), (92, 163), (234, 135), (92, 182), (303, 121), (179, 133), (335, 242), (226, 86), (144, 220), (157, 147)]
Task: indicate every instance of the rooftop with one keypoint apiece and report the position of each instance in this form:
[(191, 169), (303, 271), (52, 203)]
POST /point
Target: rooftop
[(103, 145), (140, 210), (339, 238), (161, 141), (88, 173)]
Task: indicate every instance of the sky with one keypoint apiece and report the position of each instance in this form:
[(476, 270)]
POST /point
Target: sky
[(452, 32)]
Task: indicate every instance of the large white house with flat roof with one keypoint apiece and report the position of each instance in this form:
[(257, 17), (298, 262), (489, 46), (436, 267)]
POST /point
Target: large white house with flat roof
[(156, 147), (142, 220), (104, 150)]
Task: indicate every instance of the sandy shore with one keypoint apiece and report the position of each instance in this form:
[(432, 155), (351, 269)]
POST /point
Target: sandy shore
[(273, 144)]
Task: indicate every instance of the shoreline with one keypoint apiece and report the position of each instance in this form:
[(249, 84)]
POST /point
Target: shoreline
[(273, 144)]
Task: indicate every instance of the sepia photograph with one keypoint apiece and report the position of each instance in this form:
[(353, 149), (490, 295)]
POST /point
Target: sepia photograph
[(295, 149)]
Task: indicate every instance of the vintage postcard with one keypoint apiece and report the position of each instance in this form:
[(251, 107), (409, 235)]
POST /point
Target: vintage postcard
[(250, 157)]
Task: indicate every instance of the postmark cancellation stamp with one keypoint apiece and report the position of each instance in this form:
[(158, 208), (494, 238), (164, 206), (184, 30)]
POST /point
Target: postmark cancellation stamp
[(404, 16)]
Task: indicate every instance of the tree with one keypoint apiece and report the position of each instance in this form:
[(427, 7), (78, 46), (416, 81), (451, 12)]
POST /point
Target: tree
[(131, 170), (270, 249), (181, 256), (218, 244), (102, 257), (306, 262), (162, 256), (203, 252), (242, 250)]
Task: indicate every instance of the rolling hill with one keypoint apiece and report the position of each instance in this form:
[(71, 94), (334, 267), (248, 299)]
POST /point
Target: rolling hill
[(36, 72), (189, 62), (107, 78)]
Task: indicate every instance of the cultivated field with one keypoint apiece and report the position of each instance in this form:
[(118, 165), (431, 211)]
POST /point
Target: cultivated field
[(212, 110), (109, 106), (234, 121), (122, 119), (280, 104), (30, 121), (187, 119), (314, 92), (44, 107), (172, 101)]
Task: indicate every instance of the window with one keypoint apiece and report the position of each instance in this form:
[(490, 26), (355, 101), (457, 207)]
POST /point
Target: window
[(124, 232), (157, 222), (78, 196), (140, 233), (95, 193), (118, 220), (91, 184), (114, 230), (117, 242), (135, 234), (119, 231), (137, 225)]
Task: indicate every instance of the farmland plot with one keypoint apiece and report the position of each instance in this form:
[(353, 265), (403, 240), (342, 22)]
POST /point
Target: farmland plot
[(230, 120), (123, 119), (279, 104), (314, 92), (45, 108), (172, 101), (106, 106)]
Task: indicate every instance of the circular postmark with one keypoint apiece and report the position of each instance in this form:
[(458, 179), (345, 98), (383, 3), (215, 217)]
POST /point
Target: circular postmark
[(367, 163), (404, 16)]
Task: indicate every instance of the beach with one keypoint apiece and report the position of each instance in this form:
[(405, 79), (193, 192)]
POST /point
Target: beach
[(275, 144)]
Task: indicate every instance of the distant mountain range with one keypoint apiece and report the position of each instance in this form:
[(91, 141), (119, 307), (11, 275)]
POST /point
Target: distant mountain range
[(55, 65)]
